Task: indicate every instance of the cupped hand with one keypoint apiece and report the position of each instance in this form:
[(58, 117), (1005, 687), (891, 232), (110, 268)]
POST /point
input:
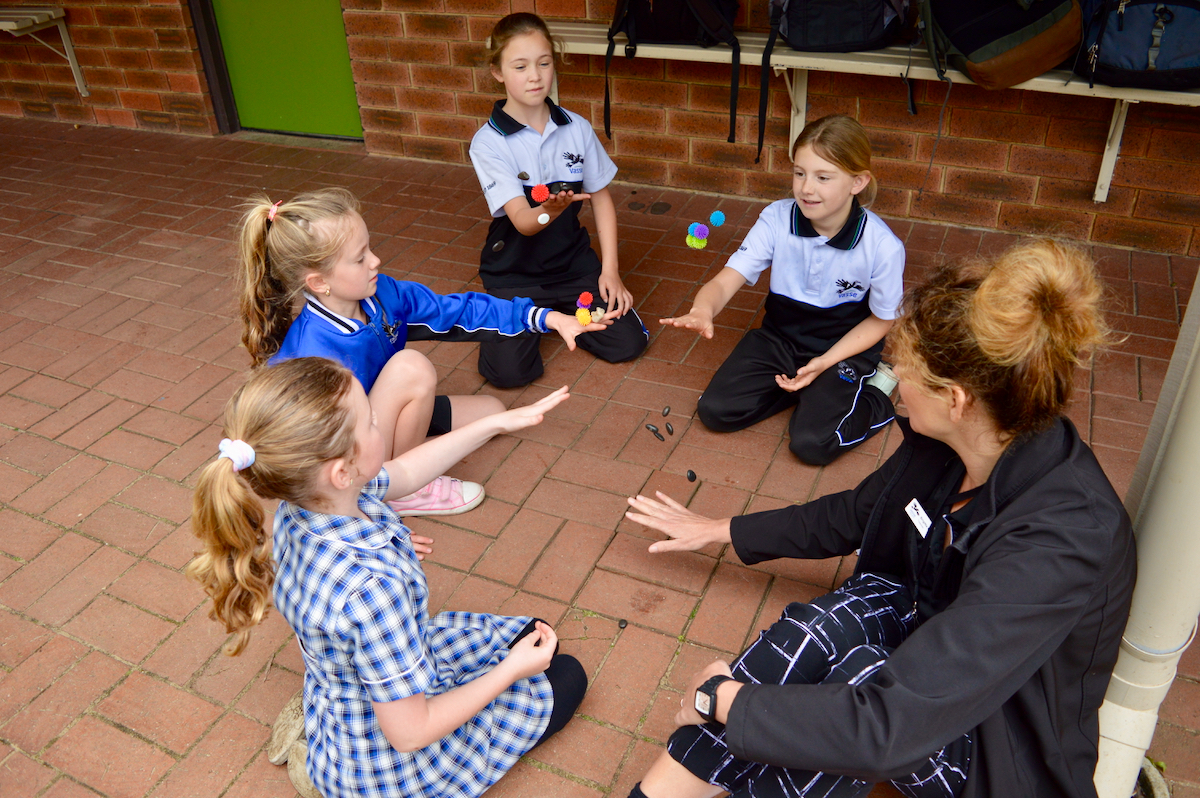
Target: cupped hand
[(557, 203), (532, 653), (569, 328), (687, 531), (697, 321), (804, 375)]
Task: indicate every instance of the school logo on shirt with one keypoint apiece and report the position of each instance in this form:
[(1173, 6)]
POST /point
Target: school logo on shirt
[(574, 163), (849, 289)]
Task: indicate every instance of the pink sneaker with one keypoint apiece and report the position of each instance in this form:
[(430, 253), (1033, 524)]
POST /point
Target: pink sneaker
[(443, 496)]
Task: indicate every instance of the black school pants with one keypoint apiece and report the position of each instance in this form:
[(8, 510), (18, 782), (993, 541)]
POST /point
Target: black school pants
[(843, 637), (514, 362), (834, 413)]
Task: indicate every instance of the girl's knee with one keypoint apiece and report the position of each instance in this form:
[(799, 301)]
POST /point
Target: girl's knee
[(408, 371)]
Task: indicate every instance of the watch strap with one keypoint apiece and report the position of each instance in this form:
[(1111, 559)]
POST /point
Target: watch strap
[(709, 688)]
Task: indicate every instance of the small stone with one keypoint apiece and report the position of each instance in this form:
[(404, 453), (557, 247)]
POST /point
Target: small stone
[(522, 176), (544, 218), (652, 428), (659, 435), (499, 245), (670, 429), (691, 475), (622, 623), (597, 315), (666, 411), (636, 206), (659, 208)]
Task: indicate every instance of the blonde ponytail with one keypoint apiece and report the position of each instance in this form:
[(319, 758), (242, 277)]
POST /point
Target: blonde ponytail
[(276, 255), (296, 418)]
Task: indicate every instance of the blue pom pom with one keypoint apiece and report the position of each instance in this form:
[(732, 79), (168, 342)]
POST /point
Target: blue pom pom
[(717, 218), (692, 228)]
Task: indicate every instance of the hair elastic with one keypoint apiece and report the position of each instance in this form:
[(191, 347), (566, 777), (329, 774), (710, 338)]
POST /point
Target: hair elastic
[(240, 453), (274, 209)]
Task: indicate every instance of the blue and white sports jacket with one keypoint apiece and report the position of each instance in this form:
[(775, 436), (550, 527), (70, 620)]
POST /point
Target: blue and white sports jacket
[(401, 311)]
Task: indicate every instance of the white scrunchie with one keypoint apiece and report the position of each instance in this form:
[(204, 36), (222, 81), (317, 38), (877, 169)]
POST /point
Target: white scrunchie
[(240, 452)]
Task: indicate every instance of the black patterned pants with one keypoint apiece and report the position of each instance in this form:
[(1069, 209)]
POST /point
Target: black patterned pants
[(842, 637)]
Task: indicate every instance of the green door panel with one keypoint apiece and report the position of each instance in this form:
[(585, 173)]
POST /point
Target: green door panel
[(289, 65)]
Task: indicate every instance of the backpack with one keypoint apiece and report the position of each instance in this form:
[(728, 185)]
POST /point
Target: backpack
[(699, 22), (1141, 43), (828, 26), (1000, 43)]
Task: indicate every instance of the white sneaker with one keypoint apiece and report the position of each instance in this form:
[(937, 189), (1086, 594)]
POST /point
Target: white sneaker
[(287, 729), (298, 771), (884, 379)]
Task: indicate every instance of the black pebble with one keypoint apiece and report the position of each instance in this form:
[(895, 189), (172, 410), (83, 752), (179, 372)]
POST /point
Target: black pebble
[(659, 208), (652, 428), (499, 245), (636, 206), (666, 411), (691, 475), (634, 191), (658, 435), (670, 429), (622, 623)]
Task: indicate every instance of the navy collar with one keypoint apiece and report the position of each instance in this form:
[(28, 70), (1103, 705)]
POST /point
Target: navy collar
[(505, 125), (846, 238)]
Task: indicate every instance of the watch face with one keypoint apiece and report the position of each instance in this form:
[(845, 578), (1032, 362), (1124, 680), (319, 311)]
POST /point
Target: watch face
[(703, 704)]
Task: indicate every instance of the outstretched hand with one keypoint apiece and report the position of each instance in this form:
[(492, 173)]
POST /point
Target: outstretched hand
[(557, 203), (696, 320), (804, 376), (530, 415), (687, 531), (569, 328)]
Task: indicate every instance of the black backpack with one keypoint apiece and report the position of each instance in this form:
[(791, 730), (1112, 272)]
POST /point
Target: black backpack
[(699, 22), (828, 26), (1141, 43)]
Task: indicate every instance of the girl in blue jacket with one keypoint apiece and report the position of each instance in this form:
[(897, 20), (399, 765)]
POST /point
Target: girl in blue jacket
[(315, 249)]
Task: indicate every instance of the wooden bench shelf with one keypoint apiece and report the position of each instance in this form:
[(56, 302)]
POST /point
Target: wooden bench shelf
[(23, 20), (590, 38)]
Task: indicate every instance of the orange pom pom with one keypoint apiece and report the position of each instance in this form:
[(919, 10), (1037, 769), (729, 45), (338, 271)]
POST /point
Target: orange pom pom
[(539, 193)]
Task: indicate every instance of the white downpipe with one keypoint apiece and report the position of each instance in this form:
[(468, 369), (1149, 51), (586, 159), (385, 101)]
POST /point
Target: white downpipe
[(1164, 501)]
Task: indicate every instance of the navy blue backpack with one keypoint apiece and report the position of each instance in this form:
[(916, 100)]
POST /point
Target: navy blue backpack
[(1141, 43)]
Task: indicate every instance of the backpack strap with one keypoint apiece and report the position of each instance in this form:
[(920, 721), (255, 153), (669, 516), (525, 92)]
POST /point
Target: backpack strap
[(622, 21), (714, 23), (764, 89)]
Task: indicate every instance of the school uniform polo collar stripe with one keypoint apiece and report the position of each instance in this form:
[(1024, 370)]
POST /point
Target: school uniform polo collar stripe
[(505, 125), (336, 319), (847, 238)]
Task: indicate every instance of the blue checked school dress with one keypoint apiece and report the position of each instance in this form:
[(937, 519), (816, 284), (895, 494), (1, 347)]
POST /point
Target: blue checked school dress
[(355, 594)]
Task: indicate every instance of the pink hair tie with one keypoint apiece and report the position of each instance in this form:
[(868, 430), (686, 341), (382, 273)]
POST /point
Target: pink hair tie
[(274, 209), (240, 453)]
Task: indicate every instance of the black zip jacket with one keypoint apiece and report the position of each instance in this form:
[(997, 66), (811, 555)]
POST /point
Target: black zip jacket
[(1028, 606)]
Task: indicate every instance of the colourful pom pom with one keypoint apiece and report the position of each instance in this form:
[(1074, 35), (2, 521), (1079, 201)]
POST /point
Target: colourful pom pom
[(701, 243), (597, 315), (583, 316), (691, 241), (692, 228), (540, 193), (585, 299), (716, 218), (701, 231)]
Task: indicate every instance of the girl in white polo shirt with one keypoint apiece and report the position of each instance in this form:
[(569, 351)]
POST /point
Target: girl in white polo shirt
[(536, 248), (836, 282)]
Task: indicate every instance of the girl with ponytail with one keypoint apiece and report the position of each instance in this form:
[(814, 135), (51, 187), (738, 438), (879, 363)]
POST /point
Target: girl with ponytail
[(969, 653), (395, 702)]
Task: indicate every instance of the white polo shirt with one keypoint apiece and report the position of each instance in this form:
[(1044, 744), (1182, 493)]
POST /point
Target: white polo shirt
[(865, 255), (511, 158)]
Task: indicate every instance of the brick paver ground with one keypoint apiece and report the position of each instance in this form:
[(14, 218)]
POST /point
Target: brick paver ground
[(119, 347)]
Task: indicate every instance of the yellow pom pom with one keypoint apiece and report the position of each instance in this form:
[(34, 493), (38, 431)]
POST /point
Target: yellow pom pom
[(584, 316)]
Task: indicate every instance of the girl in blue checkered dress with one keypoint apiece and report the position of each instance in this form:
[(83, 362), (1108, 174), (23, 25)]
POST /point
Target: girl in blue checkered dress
[(396, 703)]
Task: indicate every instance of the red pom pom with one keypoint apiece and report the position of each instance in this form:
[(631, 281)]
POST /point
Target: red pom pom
[(585, 299), (540, 193)]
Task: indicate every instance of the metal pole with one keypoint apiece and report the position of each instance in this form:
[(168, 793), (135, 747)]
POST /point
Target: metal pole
[(1164, 501)]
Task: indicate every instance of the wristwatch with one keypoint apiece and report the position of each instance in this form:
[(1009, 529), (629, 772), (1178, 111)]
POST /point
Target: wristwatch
[(706, 697)]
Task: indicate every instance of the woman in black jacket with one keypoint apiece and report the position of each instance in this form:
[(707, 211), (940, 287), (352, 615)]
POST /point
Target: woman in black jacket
[(971, 650)]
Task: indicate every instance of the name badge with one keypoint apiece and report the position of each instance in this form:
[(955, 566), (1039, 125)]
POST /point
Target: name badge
[(916, 514)]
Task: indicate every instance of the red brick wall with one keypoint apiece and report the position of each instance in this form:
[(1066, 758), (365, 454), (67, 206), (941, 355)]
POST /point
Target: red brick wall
[(1010, 160), (139, 59)]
